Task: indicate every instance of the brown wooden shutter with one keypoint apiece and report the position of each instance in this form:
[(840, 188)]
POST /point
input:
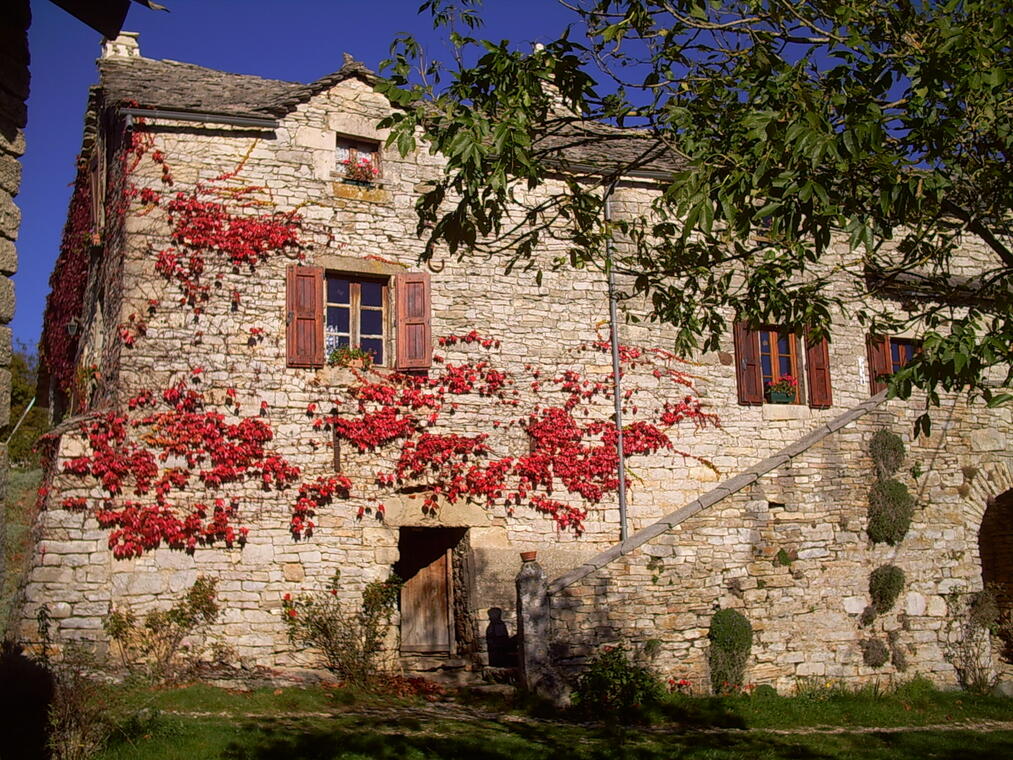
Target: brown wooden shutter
[(817, 365), (748, 376), (879, 361), (414, 331), (304, 316)]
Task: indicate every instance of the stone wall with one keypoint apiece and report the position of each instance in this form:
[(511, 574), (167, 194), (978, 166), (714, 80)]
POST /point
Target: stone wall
[(543, 329), (791, 553), (14, 78)]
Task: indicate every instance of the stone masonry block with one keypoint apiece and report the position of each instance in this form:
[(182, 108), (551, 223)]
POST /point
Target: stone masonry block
[(8, 257), (7, 300), (10, 216), (10, 174)]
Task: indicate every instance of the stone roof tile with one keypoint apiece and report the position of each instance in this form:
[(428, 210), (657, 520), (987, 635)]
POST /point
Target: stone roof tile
[(581, 147)]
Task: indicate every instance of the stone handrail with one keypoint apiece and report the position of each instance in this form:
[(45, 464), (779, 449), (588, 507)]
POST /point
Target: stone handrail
[(719, 493)]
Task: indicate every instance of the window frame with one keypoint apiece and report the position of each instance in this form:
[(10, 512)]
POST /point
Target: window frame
[(407, 323), (353, 145), (880, 357), (773, 334), (355, 308), (815, 386)]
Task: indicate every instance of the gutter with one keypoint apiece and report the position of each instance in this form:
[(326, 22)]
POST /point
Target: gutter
[(261, 122)]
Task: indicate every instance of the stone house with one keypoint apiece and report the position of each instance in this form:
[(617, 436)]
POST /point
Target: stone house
[(236, 245)]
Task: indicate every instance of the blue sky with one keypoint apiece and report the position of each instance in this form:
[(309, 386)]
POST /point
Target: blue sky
[(295, 40)]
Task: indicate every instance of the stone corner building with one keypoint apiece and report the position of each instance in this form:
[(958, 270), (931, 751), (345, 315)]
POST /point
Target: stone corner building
[(235, 244)]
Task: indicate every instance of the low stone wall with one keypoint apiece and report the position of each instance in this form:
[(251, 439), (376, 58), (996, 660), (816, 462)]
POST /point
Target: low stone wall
[(790, 551)]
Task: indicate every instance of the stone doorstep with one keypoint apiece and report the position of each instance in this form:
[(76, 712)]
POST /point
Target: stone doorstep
[(441, 668)]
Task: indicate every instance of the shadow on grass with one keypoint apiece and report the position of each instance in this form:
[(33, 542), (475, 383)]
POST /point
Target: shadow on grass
[(410, 739)]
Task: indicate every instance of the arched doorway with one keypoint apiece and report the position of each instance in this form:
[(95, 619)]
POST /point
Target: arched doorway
[(995, 547)]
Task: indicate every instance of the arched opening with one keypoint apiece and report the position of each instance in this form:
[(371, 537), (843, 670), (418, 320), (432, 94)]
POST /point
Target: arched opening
[(995, 547)]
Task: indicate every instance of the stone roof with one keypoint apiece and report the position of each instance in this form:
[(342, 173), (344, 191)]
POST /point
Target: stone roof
[(172, 85), (580, 147)]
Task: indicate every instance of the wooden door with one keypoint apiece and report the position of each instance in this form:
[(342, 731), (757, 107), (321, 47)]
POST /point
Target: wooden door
[(426, 621)]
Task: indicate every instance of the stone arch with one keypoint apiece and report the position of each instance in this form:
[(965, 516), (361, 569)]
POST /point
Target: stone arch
[(983, 482), (995, 548)]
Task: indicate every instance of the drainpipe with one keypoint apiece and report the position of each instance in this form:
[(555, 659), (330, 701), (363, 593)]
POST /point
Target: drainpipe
[(617, 383)]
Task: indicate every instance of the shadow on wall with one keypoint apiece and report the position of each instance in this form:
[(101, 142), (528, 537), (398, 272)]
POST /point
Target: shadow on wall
[(26, 691), (501, 646)]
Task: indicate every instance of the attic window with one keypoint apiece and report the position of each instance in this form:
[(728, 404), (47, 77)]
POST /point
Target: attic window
[(358, 160)]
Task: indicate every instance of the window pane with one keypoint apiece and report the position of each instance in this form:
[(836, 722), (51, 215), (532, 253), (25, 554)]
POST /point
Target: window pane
[(782, 343), (371, 322), (785, 365), (371, 293), (337, 319), (333, 341), (764, 342), (375, 347), (765, 365), (337, 290)]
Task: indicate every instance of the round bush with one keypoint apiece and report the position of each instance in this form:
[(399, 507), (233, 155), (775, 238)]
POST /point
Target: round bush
[(764, 691), (731, 630), (890, 510), (731, 638), (612, 687), (887, 452), (875, 653), (885, 585)]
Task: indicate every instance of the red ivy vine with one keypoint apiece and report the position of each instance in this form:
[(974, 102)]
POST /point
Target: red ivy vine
[(149, 458), (572, 442), (166, 444)]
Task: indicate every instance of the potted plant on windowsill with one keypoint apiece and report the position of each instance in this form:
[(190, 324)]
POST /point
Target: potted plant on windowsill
[(783, 390), (347, 356), (360, 172)]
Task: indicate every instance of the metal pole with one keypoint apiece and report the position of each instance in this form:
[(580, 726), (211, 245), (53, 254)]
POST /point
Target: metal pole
[(617, 382), (23, 415)]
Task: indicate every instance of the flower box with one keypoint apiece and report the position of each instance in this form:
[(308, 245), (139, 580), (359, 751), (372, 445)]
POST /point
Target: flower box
[(778, 397)]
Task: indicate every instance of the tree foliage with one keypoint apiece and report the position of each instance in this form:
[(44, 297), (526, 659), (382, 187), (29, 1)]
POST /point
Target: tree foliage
[(854, 142), (24, 372)]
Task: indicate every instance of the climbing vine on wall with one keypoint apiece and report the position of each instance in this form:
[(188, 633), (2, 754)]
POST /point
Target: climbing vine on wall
[(67, 286), (149, 460), (409, 421)]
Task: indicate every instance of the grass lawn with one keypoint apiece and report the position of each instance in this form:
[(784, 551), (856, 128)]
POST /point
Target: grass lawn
[(318, 724), (22, 486)]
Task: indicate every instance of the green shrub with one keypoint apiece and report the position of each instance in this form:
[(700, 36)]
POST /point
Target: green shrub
[(731, 638), (875, 653), (154, 648), (887, 452), (885, 585), (611, 686), (890, 509), (351, 642), (868, 616), (784, 557), (765, 691)]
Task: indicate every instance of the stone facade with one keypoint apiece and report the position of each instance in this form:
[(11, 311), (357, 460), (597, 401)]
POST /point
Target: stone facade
[(14, 78), (136, 336), (787, 546)]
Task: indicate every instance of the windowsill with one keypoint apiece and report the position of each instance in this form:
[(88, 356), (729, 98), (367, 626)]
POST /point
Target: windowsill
[(775, 412), (341, 376), (367, 183), (372, 192)]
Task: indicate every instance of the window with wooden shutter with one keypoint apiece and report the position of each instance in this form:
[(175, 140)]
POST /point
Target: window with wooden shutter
[(414, 332), (878, 350), (304, 317), (747, 365), (886, 356), (817, 361)]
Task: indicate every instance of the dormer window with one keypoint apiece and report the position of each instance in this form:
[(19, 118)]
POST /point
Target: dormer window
[(358, 160)]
